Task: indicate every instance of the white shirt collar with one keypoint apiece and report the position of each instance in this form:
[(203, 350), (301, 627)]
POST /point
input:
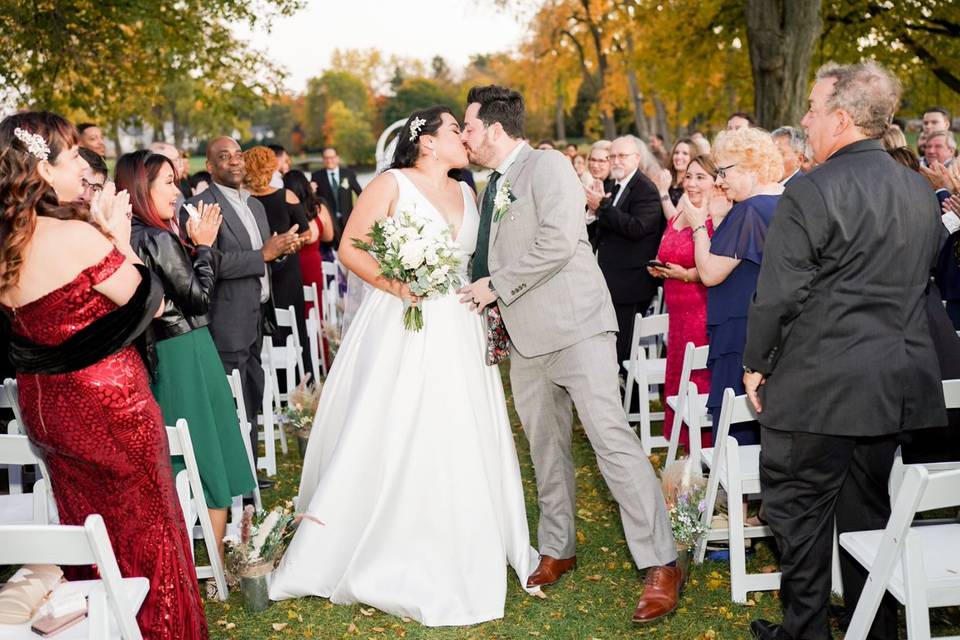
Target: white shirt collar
[(240, 194), (627, 178), (509, 160), (789, 177)]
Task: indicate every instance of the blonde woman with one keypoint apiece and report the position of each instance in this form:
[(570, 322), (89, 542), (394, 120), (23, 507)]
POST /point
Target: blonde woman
[(749, 168)]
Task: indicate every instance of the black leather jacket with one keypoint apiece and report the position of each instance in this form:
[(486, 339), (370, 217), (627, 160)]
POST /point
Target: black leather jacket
[(187, 284)]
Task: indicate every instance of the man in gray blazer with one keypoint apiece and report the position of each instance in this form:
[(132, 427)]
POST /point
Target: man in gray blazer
[(534, 261), (241, 297)]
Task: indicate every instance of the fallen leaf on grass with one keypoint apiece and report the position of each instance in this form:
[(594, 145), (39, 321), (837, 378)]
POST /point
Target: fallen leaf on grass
[(279, 626), (768, 569), (594, 578), (230, 625), (367, 612), (352, 628), (378, 629)]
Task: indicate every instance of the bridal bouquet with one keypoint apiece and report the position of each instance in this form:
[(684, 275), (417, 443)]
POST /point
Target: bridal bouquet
[(412, 253)]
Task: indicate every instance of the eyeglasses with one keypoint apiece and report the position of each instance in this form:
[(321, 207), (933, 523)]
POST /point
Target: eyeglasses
[(722, 171), (622, 156), (598, 160), (96, 187)]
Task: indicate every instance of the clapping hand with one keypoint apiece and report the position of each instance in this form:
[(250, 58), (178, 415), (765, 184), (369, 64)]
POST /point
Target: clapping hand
[(281, 244), (595, 195), (111, 213), (203, 229), (952, 204), (938, 175)]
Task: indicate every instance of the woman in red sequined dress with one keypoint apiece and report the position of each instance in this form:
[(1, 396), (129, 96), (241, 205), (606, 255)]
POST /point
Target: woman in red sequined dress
[(87, 405), (685, 296)]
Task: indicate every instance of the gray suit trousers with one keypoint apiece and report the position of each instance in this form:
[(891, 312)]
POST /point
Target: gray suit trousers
[(544, 388)]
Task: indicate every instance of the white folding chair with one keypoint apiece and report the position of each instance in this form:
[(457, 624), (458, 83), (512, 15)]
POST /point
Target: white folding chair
[(645, 368), (113, 601), (236, 388), (195, 507), (289, 355), (737, 469), (918, 563), (318, 356), (689, 405), (11, 396), (331, 294), (272, 430), (25, 508), (9, 400)]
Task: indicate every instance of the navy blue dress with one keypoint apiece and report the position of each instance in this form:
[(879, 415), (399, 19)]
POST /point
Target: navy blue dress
[(741, 235)]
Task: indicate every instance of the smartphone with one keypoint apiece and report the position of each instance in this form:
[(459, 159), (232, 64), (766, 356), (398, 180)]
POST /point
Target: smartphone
[(656, 264), (49, 625), (192, 212)]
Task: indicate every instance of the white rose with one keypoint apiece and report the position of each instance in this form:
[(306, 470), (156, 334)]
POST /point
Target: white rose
[(412, 253), (431, 256)]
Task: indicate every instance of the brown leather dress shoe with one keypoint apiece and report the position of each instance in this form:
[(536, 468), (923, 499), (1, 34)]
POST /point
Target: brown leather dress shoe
[(661, 591), (549, 570)]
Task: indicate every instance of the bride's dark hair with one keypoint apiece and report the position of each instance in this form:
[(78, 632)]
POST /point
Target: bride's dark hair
[(408, 151)]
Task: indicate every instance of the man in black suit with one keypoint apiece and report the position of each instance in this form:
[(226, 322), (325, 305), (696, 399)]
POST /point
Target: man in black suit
[(241, 297), (628, 229), (337, 184), (838, 338), (792, 145)]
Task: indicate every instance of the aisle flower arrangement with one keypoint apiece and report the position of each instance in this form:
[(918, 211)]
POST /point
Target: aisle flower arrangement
[(299, 412), (253, 554), (684, 490)]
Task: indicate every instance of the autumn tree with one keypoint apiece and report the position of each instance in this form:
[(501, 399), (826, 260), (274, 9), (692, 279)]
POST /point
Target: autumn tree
[(322, 92)]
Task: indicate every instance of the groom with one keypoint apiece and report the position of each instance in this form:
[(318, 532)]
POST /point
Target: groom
[(534, 261)]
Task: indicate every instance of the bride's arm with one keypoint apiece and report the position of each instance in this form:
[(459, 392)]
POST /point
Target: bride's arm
[(377, 201)]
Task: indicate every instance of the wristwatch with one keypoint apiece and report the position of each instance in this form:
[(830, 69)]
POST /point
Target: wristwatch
[(747, 369)]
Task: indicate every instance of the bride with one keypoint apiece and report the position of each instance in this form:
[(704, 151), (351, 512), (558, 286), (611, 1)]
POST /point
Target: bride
[(411, 485)]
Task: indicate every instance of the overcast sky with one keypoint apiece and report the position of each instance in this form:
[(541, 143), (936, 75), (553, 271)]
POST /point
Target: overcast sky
[(454, 29)]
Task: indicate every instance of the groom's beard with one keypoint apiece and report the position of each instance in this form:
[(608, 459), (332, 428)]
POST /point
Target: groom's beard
[(481, 156)]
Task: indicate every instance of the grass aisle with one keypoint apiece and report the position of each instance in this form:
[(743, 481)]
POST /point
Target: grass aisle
[(594, 602)]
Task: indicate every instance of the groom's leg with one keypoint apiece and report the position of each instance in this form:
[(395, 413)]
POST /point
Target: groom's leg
[(547, 417), (588, 370)]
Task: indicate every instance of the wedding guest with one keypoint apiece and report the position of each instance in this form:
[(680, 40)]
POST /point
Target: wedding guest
[(683, 150), (628, 229), (570, 150), (703, 145), (905, 156), (858, 368), (240, 307), (91, 137), (791, 143), (189, 381), (183, 172), (320, 229), (94, 175), (284, 211), (172, 154), (657, 149), (939, 146), (685, 295), (936, 119), (739, 120), (199, 182), (749, 169), (579, 165), (337, 185), (546, 145), (283, 165), (88, 410), (598, 170), (893, 138)]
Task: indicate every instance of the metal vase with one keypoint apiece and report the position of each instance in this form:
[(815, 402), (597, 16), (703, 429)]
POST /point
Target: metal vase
[(255, 591), (684, 554), (302, 444)]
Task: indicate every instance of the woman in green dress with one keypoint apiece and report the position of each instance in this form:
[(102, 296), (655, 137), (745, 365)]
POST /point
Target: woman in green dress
[(190, 381)]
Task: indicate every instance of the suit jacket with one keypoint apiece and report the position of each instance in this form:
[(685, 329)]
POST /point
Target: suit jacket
[(551, 292), (235, 304), (342, 200), (839, 322), (627, 237)]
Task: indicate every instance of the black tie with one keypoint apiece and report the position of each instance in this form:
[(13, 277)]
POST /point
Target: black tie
[(614, 192), (335, 191), (480, 268)]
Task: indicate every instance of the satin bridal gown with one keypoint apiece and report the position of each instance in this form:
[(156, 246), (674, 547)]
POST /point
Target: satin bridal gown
[(411, 485)]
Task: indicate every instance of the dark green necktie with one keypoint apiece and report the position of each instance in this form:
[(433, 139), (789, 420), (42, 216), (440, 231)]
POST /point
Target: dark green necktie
[(335, 190), (480, 268)]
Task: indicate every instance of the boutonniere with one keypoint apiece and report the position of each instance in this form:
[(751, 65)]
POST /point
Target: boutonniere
[(502, 201), (344, 184)]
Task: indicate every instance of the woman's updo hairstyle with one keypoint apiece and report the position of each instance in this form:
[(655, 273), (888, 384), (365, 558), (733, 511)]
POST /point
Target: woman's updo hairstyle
[(408, 138), (24, 194)]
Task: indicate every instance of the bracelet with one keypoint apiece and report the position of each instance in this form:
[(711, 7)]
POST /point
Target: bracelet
[(703, 226), (664, 197)]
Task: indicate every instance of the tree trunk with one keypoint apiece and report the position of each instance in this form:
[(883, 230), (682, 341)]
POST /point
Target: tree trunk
[(636, 96), (781, 35), (661, 114), (559, 116), (115, 134), (609, 125)]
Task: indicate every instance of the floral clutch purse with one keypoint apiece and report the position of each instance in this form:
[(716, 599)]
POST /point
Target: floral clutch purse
[(498, 340)]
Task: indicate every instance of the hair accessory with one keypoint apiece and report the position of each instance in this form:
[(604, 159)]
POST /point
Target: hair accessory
[(415, 128), (36, 145)]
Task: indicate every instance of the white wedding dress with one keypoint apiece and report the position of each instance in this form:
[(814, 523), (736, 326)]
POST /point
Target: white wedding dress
[(411, 466)]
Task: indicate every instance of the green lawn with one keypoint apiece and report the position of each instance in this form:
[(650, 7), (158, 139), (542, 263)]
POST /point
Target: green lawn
[(594, 602)]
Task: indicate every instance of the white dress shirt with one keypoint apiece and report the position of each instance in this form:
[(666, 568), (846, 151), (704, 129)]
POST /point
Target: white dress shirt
[(238, 200)]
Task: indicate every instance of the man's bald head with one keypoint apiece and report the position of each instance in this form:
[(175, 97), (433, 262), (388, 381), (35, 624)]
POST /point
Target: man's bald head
[(225, 162)]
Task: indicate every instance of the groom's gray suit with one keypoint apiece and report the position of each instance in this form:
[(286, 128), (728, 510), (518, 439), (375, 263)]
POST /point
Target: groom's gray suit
[(557, 310)]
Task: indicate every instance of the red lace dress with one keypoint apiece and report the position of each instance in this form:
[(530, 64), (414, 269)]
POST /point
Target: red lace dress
[(687, 308), (102, 437)]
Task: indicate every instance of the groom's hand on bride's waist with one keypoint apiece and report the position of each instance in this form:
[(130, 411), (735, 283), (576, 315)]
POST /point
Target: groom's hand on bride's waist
[(478, 295)]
